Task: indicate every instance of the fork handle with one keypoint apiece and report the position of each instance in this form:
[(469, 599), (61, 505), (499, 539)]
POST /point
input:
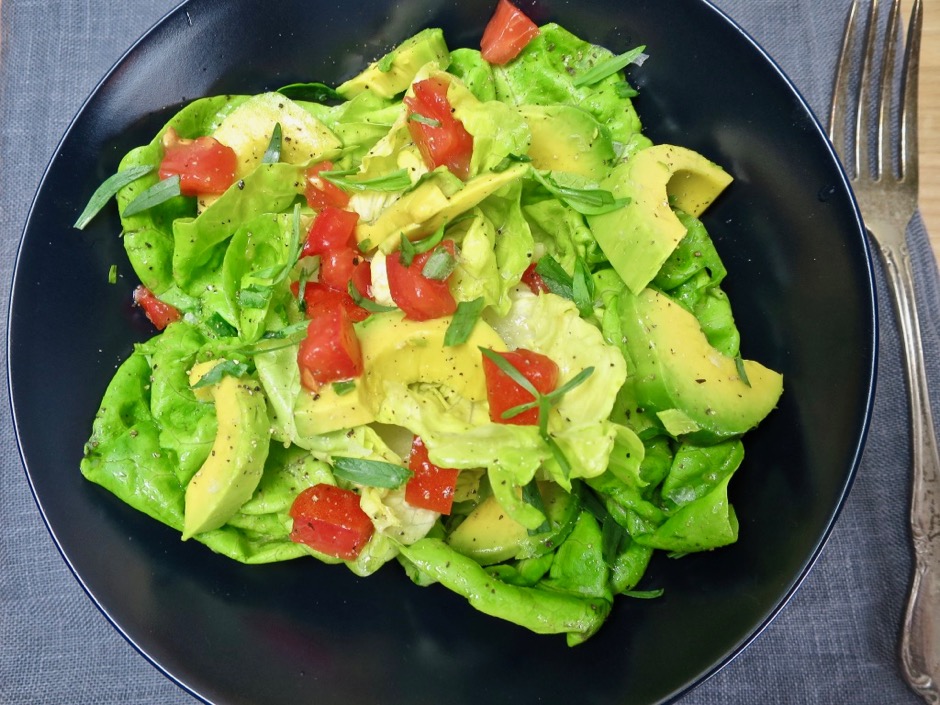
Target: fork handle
[(920, 638)]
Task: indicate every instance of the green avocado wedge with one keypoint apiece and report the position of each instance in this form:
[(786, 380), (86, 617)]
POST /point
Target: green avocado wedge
[(639, 237), (230, 474), (679, 375)]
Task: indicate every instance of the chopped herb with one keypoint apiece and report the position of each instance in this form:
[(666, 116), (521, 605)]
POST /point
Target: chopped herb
[(309, 271), (226, 368), (393, 181), (365, 245), (532, 497), (372, 473), (272, 154), (742, 373), (385, 63), (644, 594), (464, 320), (430, 122), (343, 388), (557, 280), (409, 248), (587, 201), (510, 160), (440, 265), (160, 192), (113, 274), (602, 70), (368, 304), (108, 190), (582, 288), (311, 93)]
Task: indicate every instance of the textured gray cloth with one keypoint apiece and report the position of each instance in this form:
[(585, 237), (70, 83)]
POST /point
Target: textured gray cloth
[(835, 642)]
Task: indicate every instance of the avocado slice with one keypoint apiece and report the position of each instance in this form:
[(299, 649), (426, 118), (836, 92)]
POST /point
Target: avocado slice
[(230, 474), (326, 410), (434, 201), (397, 350), (248, 129), (567, 138), (489, 535), (393, 73), (639, 237), (694, 389)]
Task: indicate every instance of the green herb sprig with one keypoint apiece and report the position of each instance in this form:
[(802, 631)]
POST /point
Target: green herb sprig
[(542, 402), (160, 192), (373, 473), (226, 368), (602, 70), (272, 155), (108, 190), (393, 181), (587, 201), (464, 320)]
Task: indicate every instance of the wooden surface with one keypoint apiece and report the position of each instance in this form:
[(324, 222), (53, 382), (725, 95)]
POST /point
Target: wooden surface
[(929, 133)]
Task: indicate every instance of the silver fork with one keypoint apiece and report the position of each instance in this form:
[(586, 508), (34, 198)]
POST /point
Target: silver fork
[(886, 189)]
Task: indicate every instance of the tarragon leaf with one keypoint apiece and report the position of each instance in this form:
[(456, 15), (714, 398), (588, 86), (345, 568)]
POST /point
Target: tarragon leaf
[(108, 190), (372, 473), (602, 70), (160, 192)]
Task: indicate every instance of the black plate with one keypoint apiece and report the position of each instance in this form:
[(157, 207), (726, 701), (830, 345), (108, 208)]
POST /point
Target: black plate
[(800, 280)]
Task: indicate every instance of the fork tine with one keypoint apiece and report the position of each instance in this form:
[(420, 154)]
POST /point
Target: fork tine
[(909, 161), (864, 115), (843, 86), (888, 150)]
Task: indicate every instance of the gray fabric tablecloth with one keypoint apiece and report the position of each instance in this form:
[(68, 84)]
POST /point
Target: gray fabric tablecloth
[(835, 642)]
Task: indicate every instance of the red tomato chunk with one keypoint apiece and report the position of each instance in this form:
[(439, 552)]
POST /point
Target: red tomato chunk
[(321, 193), (333, 228), (534, 281), (506, 34), (330, 352), (159, 313), (439, 136), (432, 487), (204, 165), (317, 297), (503, 393), (418, 296), (330, 520), (343, 265)]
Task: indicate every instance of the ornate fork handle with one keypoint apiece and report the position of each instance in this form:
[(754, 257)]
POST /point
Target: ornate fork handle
[(920, 641)]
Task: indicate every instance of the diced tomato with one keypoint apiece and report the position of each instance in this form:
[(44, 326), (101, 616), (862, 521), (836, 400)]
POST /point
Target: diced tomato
[(441, 138), (159, 313), (329, 520), (506, 34), (419, 297), (503, 393), (331, 351), (332, 228), (317, 296), (204, 164), (534, 281), (320, 192), (340, 266), (431, 487)]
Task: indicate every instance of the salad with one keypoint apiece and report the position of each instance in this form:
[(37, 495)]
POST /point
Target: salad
[(457, 313)]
